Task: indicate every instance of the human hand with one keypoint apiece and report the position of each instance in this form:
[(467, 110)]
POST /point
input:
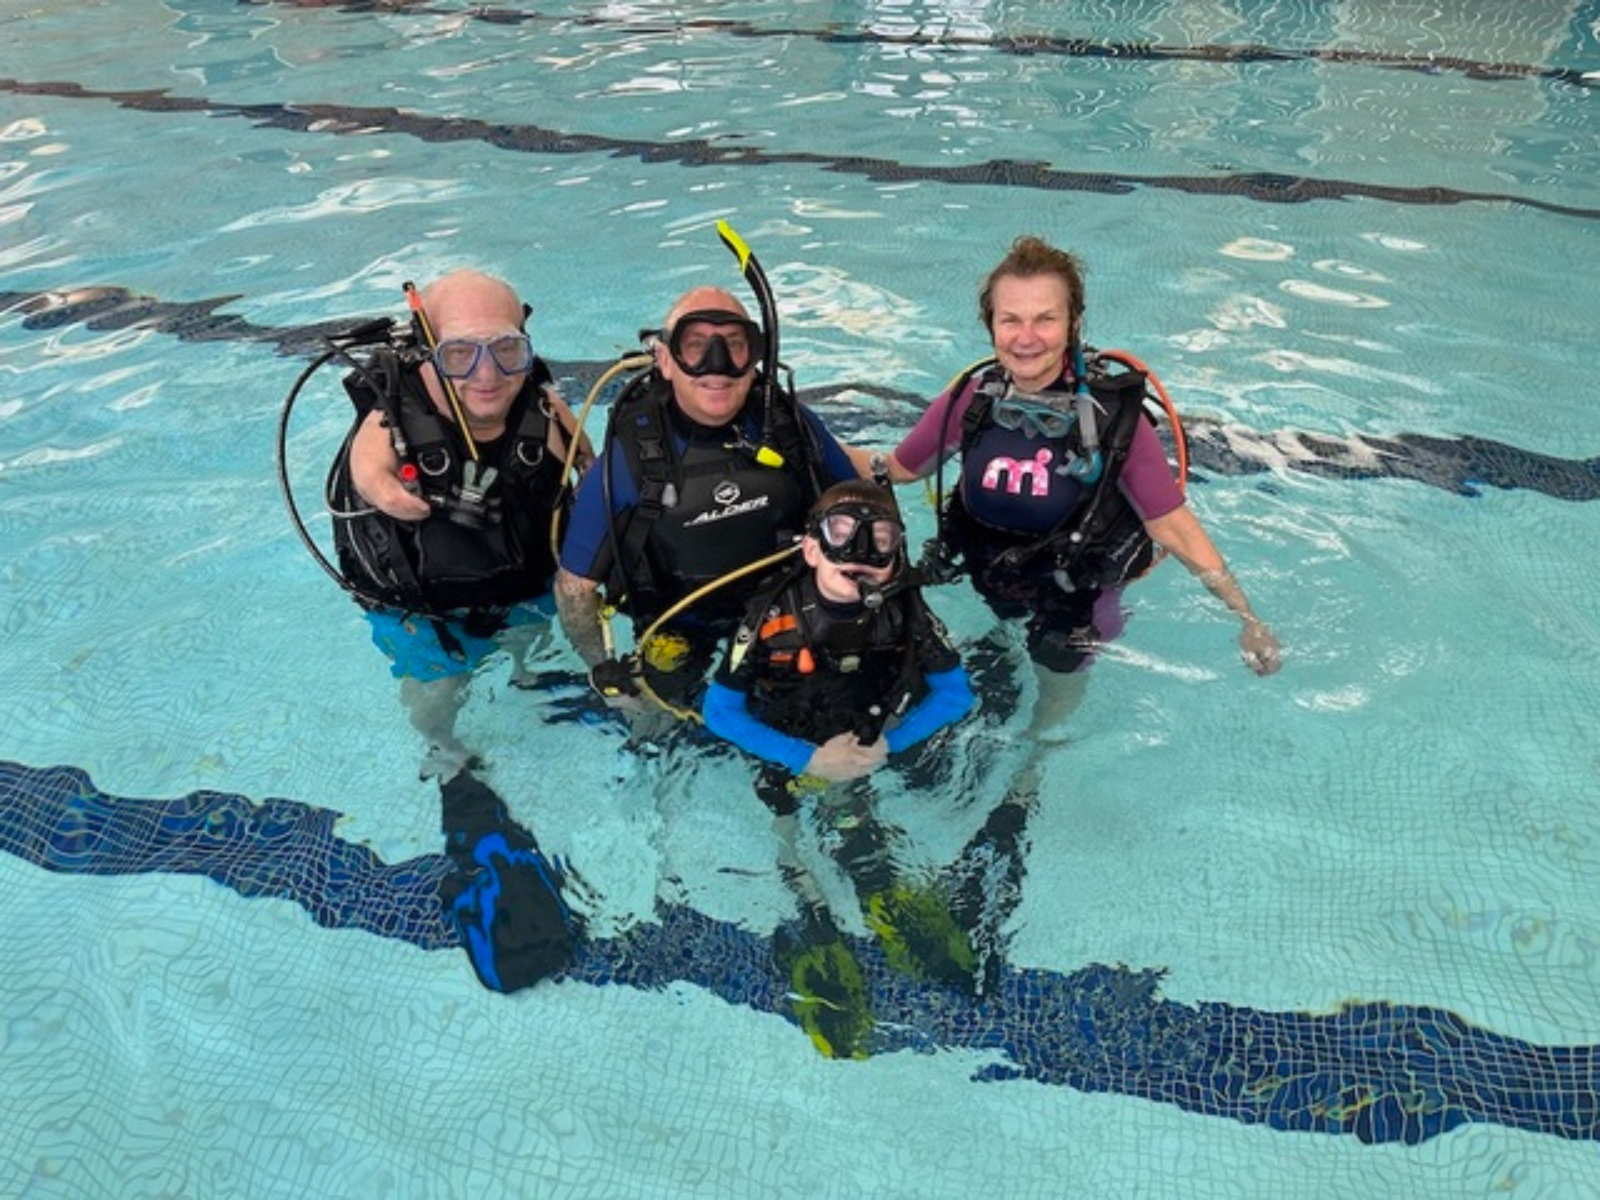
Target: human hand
[(843, 757), (390, 494), (1259, 648), (617, 683)]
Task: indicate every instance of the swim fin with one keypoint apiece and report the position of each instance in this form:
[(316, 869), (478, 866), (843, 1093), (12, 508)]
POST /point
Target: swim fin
[(920, 935), (505, 899), (829, 993)]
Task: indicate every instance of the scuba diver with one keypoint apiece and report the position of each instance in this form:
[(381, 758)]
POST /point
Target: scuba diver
[(1064, 489), (707, 470), (837, 664), (447, 494)]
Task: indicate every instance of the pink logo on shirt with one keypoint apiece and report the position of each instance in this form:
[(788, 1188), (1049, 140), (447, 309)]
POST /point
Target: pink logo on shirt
[(1015, 472)]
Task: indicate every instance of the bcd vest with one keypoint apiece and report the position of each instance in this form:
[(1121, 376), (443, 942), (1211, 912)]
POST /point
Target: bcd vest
[(472, 553), (1017, 510), (829, 668), (705, 510)]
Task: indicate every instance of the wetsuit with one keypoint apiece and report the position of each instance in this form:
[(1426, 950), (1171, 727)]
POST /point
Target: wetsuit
[(688, 504)]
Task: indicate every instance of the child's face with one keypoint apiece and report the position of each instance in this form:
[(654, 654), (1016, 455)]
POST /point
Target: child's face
[(841, 582)]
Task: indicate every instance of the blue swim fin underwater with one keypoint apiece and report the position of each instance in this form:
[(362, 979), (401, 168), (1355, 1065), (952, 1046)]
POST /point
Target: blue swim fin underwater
[(505, 897)]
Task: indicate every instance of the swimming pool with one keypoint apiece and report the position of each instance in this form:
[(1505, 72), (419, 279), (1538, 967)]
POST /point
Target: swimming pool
[(1356, 900)]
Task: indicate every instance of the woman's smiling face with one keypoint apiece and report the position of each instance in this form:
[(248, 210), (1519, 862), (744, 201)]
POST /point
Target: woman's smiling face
[(1032, 328)]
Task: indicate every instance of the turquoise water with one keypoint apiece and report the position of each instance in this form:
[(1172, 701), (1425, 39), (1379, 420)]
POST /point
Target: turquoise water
[(1389, 385)]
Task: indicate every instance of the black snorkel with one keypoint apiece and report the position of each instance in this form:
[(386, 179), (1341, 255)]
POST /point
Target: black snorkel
[(766, 454)]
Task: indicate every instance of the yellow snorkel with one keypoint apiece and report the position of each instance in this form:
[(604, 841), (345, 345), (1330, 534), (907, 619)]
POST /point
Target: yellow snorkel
[(430, 343)]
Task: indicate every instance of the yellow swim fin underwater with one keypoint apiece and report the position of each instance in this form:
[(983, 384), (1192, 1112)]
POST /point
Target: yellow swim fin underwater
[(920, 936), (829, 996)]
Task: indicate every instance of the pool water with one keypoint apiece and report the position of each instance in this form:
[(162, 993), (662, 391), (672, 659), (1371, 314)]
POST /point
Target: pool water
[(1331, 932)]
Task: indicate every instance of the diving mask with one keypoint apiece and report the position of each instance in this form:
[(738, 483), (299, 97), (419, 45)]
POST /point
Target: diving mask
[(458, 358), (860, 534), (715, 341), (1045, 415)]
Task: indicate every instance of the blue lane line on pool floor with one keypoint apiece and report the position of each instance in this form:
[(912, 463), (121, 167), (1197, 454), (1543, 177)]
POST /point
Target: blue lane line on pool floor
[(342, 120), (1382, 1072), (936, 35)]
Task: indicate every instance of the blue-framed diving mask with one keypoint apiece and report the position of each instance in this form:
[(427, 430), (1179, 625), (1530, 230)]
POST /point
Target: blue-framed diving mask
[(458, 358)]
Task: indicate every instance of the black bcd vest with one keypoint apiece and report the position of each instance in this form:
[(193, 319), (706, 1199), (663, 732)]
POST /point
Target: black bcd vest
[(1101, 540), (705, 510), (819, 664), (472, 553)]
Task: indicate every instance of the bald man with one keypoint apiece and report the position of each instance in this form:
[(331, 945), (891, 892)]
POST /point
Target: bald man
[(444, 509), (686, 491)]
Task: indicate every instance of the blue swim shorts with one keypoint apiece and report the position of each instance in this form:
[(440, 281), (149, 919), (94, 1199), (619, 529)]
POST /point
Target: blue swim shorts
[(415, 647)]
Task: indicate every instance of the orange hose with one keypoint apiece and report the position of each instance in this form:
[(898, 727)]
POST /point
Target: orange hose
[(1180, 441)]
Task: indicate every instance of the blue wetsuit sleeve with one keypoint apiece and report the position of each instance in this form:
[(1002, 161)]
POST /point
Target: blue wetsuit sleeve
[(588, 530), (727, 717), (836, 463), (949, 698)]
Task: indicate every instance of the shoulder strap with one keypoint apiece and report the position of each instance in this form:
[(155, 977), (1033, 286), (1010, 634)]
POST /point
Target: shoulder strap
[(976, 412), (529, 423), (870, 727), (766, 596), (797, 442), (1127, 390), (387, 382), (638, 429)]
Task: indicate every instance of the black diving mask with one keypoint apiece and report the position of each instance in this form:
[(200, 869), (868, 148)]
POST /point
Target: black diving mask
[(715, 341), (859, 534)]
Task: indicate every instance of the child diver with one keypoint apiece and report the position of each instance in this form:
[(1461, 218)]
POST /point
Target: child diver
[(837, 664)]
